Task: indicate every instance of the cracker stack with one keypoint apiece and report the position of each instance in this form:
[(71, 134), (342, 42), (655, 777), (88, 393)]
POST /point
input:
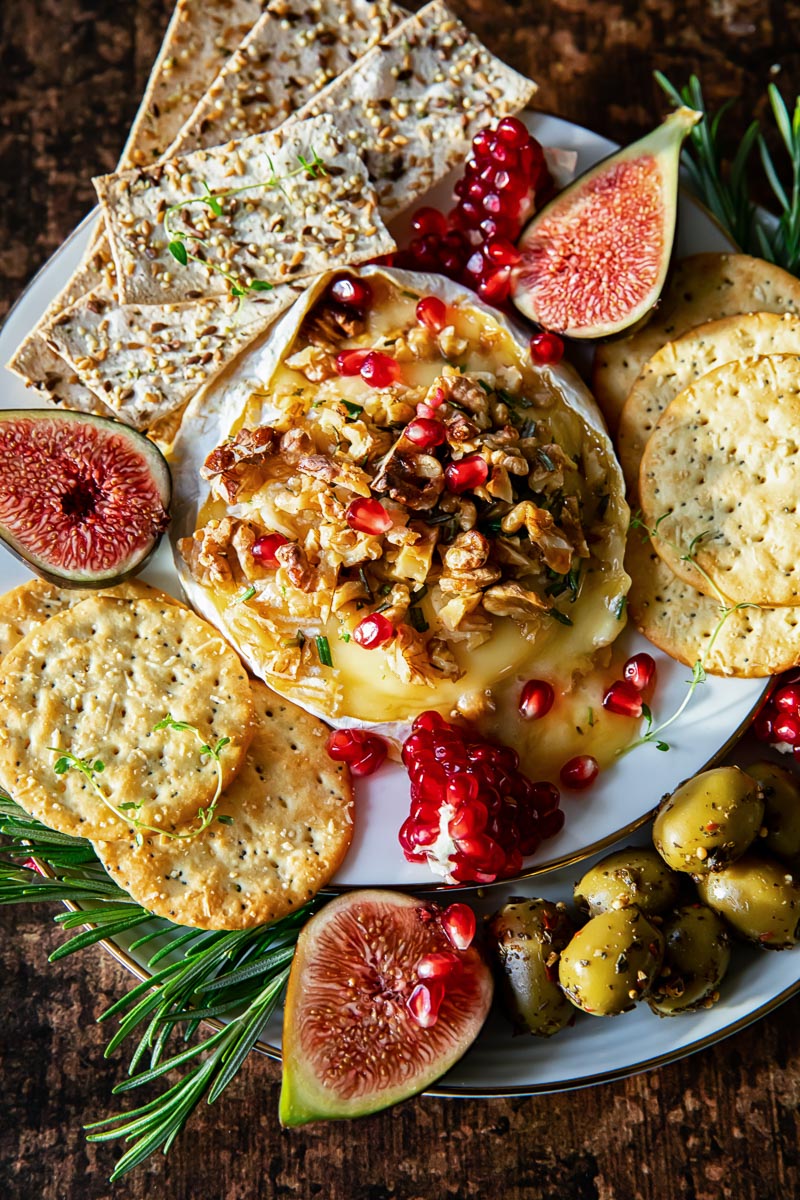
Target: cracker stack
[(217, 841), (141, 330), (709, 440)]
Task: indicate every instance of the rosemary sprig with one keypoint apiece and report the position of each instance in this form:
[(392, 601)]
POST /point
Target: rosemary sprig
[(727, 192), (196, 975), (90, 767), (178, 240)]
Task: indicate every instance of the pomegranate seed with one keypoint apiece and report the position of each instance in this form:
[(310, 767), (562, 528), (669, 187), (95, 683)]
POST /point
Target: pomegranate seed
[(786, 728), (552, 823), (466, 474), (425, 252), (762, 725), (624, 699), (546, 349), (426, 410), (476, 265), (545, 796), (580, 772), (430, 719), (373, 631), (350, 292), (362, 751), (367, 515), (379, 370), (432, 313), (512, 131), (429, 220), (502, 252), (459, 925), (350, 362), (536, 699), (264, 548), (468, 819), (426, 433), (463, 789), (640, 670), (425, 1001), (494, 288), (787, 699), (438, 964)]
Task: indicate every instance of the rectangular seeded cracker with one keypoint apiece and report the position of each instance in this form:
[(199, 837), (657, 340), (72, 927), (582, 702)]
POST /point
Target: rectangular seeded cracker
[(306, 223), (412, 105), (148, 362), (290, 54)]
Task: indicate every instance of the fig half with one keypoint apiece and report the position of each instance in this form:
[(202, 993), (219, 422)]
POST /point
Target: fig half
[(594, 260), (351, 1045), (83, 499)]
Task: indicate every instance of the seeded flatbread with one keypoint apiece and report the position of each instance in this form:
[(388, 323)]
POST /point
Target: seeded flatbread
[(290, 811), (94, 681), (675, 617), (31, 604), (292, 51), (148, 362), (201, 36), (306, 223), (687, 359), (703, 287), (413, 104), (720, 477)]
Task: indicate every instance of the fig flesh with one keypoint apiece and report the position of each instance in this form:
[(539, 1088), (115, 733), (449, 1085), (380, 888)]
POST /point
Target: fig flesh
[(350, 1043), (83, 499), (595, 258)]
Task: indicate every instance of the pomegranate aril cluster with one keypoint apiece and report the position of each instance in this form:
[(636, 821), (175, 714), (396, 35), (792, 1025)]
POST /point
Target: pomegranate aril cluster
[(626, 696), (505, 180), (435, 969), (474, 815), (779, 720)]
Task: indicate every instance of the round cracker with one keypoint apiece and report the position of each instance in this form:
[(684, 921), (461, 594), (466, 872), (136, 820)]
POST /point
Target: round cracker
[(95, 680), (703, 287), (31, 604), (290, 825), (675, 617), (685, 360), (720, 479)]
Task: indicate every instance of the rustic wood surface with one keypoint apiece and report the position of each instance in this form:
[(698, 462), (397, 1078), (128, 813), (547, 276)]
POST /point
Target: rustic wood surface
[(723, 1123)]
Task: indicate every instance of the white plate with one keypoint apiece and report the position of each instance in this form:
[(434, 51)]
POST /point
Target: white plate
[(596, 1049), (624, 796)]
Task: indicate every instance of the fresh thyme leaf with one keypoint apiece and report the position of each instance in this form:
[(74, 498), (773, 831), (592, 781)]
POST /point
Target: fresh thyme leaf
[(225, 819), (352, 409), (178, 251), (261, 285)]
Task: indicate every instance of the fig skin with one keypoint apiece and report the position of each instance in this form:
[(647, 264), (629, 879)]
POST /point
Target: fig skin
[(350, 1045), (84, 500), (557, 285)]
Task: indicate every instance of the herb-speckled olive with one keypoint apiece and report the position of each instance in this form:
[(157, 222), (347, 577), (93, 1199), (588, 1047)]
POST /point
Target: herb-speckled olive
[(759, 897), (528, 938), (709, 821), (781, 809), (636, 875), (612, 962), (697, 951)]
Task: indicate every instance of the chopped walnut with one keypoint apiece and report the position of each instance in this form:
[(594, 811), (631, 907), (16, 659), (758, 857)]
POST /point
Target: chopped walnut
[(451, 345), (219, 552), (468, 551), (235, 466), (416, 480), (294, 562), (314, 363), (513, 600), (465, 582), (456, 610), (443, 659), (335, 471), (473, 705), (407, 657), (571, 521), (329, 323), (294, 442), (543, 532)]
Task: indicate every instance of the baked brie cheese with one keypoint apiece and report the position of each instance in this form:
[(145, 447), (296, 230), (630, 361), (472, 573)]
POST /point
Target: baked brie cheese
[(391, 509)]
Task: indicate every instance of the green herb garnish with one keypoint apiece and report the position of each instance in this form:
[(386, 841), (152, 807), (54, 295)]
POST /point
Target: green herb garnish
[(324, 651)]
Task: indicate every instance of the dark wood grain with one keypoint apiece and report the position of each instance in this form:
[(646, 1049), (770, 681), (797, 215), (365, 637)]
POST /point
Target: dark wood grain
[(722, 1124)]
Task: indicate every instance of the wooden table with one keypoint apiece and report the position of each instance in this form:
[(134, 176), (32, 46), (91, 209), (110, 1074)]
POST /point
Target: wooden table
[(722, 1124)]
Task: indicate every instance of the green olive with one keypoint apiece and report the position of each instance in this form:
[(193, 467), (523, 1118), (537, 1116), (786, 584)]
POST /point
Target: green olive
[(709, 821), (759, 897), (612, 962), (781, 809), (697, 951), (528, 938), (635, 875)]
